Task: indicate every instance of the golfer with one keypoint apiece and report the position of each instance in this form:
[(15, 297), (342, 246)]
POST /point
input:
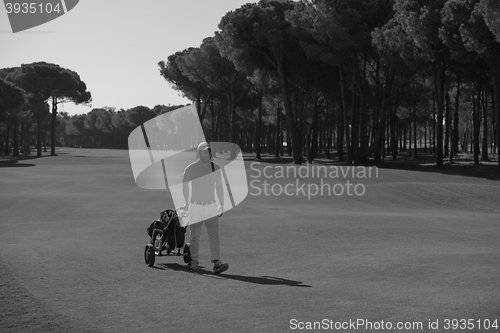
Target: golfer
[(205, 178)]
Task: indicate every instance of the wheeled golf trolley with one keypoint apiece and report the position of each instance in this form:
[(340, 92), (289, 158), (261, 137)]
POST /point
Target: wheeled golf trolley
[(168, 233)]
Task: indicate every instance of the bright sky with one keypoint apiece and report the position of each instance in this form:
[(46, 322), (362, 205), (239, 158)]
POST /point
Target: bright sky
[(115, 46)]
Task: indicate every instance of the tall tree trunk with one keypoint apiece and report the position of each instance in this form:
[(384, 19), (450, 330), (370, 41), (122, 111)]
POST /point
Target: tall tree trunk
[(198, 103), (212, 116), (465, 145), (314, 132), (204, 109), (409, 133), (16, 138), (292, 128), (278, 130), (319, 148), (340, 134), (404, 137), (27, 143), (345, 115), (471, 147), (477, 125), (354, 115), (45, 141), (484, 156), (7, 141), (218, 122), (439, 80), (425, 135), (363, 118), (302, 123), (53, 127), (447, 124), (394, 139), (494, 116), (288, 144), (39, 123), (455, 137), (415, 130), (296, 110), (329, 132), (258, 128), (22, 138), (433, 149), (497, 106), (232, 122), (379, 136), (269, 139), (376, 112), (400, 138)]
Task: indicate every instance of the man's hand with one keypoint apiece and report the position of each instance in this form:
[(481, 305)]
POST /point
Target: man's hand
[(221, 210)]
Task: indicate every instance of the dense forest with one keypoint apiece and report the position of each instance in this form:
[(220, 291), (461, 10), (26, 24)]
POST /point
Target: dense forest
[(354, 80)]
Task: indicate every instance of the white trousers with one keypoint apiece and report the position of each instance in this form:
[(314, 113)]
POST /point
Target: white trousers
[(207, 215)]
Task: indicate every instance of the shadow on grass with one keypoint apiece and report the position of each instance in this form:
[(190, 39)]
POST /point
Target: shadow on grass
[(264, 280), (14, 163), (10, 161), (273, 159), (425, 162)]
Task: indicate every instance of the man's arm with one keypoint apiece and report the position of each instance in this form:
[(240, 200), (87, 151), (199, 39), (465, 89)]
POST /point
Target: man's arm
[(185, 188), (219, 191)]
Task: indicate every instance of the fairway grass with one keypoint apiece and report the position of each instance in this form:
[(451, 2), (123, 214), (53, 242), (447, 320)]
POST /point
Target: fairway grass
[(416, 246)]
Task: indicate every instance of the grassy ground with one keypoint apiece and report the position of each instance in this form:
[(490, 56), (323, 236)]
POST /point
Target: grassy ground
[(417, 246)]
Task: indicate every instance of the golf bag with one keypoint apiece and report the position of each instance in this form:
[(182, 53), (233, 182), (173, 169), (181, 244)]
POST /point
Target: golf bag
[(156, 224), (169, 227)]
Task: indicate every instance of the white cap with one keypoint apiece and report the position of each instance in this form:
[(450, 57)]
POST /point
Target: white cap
[(203, 146)]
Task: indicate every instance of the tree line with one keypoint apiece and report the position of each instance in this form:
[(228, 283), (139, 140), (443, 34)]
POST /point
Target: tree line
[(24, 95), (363, 79)]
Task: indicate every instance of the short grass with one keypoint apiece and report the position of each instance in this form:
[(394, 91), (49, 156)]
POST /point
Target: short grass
[(417, 246)]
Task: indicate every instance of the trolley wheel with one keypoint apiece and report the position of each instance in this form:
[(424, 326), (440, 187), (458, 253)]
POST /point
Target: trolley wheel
[(149, 255), (186, 253)]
